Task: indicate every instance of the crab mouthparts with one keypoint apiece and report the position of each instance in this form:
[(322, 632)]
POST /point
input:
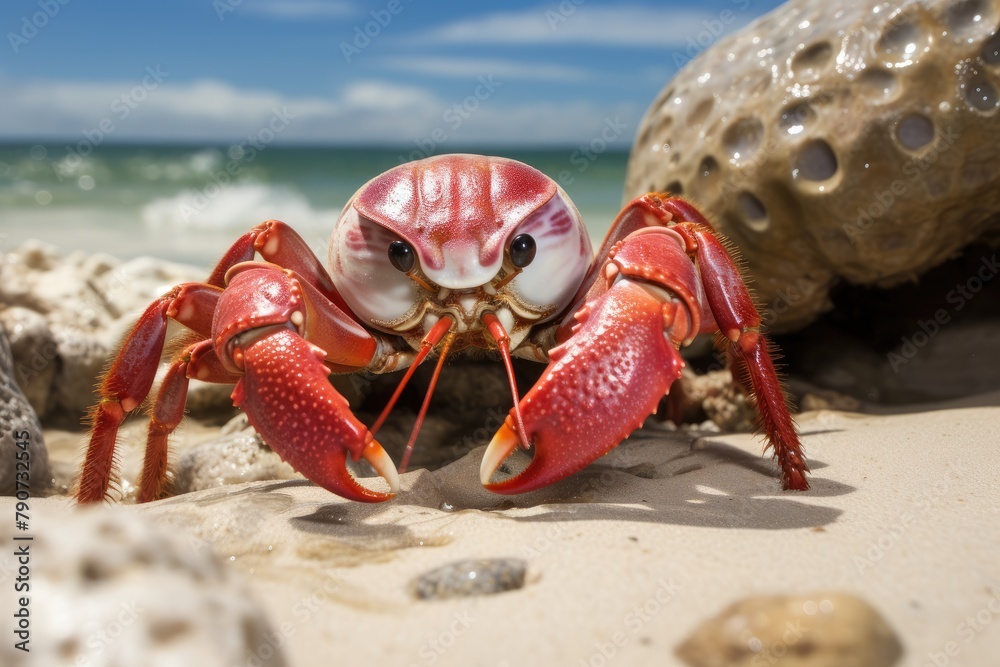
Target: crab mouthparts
[(441, 331)]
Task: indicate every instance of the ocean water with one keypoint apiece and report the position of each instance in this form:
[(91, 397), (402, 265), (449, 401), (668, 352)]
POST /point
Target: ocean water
[(179, 203)]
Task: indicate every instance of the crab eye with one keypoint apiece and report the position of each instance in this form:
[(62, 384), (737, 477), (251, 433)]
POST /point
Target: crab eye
[(401, 255), (522, 250)]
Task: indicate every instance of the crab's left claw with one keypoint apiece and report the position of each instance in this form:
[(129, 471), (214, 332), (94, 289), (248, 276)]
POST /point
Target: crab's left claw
[(286, 394), (601, 385)]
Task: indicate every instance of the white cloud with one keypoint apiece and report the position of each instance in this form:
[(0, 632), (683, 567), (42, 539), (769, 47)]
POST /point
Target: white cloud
[(382, 96), (363, 111), (296, 10), (623, 25), (199, 109), (475, 67)]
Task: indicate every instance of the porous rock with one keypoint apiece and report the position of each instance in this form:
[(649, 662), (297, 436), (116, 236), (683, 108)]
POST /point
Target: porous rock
[(110, 588), (19, 424), (836, 141), (819, 630)]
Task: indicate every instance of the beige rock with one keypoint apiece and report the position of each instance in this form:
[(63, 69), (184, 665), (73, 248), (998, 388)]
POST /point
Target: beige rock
[(67, 314), (134, 284), (836, 141), (819, 630), (82, 355), (108, 588)]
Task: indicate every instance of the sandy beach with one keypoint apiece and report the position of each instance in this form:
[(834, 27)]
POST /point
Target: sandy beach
[(623, 561)]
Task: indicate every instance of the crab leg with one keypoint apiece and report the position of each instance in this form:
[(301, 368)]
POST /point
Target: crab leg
[(197, 361), (279, 244), (749, 352), (128, 381)]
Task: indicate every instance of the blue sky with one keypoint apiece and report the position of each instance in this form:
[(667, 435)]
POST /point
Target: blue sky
[(521, 73)]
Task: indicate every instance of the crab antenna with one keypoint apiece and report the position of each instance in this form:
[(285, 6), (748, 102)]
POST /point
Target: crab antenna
[(426, 404), (432, 338), (495, 327)]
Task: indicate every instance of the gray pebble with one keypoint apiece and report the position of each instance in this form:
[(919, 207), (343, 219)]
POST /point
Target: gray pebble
[(465, 578)]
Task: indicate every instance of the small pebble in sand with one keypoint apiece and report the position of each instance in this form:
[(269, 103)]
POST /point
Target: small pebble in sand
[(794, 631), (465, 578)]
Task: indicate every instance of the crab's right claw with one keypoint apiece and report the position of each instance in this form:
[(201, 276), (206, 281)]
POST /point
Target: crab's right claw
[(289, 400)]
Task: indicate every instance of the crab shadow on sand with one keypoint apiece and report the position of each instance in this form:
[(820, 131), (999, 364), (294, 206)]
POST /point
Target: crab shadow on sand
[(670, 478)]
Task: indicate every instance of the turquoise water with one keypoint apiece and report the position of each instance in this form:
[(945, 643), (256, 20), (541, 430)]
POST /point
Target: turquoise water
[(175, 202)]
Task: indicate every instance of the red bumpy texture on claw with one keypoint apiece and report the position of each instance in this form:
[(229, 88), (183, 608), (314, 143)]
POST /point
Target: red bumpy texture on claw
[(663, 277), (578, 410), (287, 395)]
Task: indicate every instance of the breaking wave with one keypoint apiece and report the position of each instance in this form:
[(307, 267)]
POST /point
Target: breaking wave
[(237, 206)]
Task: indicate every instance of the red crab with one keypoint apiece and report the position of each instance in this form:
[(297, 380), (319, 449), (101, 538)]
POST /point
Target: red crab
[(445, 253)]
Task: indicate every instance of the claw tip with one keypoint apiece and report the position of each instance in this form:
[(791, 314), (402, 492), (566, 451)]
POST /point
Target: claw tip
[(383, 465), (500, 447)]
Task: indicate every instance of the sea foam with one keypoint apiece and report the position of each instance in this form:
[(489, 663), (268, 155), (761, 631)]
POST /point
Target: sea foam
[(237, 206)]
